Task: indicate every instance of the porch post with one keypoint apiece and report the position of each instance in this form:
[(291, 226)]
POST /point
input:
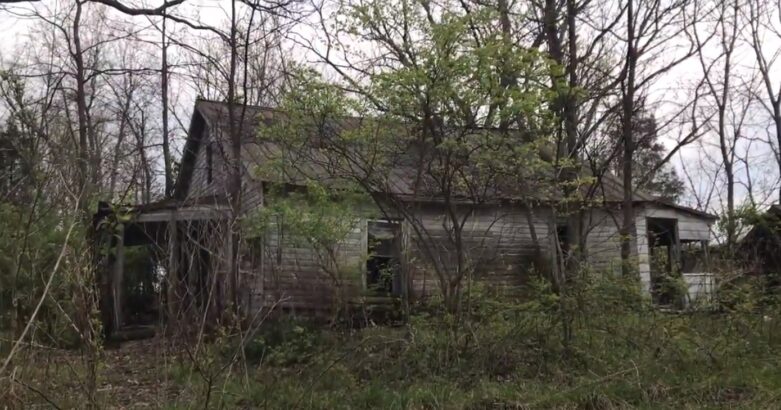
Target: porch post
[(117, 279), (678, 250), (173, 270)]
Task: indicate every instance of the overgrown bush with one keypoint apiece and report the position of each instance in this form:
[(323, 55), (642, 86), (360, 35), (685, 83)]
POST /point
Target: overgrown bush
[(510, 352), (29, 249), (599, 344), (283, 343)]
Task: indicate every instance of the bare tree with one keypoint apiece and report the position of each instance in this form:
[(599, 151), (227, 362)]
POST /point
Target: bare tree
[(764, 33), (727, 98), (650, 28), (167, 160)]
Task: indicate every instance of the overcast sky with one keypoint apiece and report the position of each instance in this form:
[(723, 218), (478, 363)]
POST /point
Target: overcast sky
[(694, 163)]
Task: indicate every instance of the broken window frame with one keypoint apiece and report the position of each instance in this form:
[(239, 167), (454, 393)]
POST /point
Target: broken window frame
[(392, 256), (694, 256)]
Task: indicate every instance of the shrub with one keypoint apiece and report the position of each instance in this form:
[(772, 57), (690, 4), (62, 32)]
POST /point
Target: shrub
[(283, 343), (506, 352)]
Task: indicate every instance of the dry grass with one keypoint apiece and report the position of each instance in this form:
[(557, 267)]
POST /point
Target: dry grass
[(133, 376)]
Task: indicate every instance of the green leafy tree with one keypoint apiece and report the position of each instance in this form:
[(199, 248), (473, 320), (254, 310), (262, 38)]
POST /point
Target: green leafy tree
[(29, 250), (318, 219), (433, 118)]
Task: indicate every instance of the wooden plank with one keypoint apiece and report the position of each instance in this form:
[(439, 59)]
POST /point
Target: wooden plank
[(187, 213), (118, 276), (173, 270)]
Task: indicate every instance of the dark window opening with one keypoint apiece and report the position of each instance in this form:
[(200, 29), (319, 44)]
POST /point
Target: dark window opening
[(562, 237), (255, 248), (694, 257), (209, 163), (384, 262), (9, 168)]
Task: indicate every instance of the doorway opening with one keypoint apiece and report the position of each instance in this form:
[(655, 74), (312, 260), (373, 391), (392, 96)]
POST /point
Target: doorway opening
[(664, 253)]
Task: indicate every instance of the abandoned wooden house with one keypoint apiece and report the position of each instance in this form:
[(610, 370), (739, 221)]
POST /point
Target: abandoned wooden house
[(192, 232)]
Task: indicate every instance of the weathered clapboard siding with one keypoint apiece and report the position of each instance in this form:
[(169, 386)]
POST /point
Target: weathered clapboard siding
[(501, 249), (497, 242), (252, 195), (199, 184), (603, 240), (294, 274)]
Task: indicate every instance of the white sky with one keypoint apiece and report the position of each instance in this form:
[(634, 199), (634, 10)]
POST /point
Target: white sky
[(668, 93)]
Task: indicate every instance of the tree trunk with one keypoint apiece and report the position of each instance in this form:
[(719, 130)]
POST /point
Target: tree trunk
[(777, 120), (628, 106), (234, 182), (83, 183), (574, 216), (169, 179)]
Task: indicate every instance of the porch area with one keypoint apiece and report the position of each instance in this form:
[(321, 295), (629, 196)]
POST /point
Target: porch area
[(674, 263), (159, 263)]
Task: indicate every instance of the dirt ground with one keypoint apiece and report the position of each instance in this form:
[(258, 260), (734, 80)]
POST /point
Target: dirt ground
[(133, 375)]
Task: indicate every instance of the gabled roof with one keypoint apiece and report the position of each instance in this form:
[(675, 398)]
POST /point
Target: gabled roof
[(682, 208), (194, 135), (400, 181)]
